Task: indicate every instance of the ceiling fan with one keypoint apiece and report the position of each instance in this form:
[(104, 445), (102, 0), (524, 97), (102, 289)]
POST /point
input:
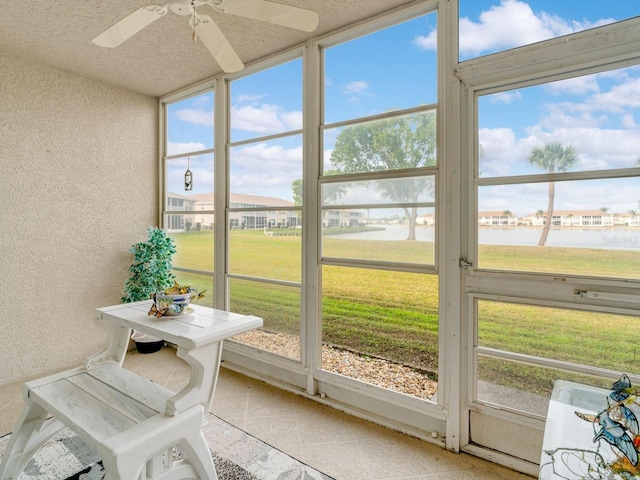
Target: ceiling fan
[(203, 26)]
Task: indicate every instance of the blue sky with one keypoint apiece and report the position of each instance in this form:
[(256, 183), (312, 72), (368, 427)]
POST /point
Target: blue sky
[(395, 68)]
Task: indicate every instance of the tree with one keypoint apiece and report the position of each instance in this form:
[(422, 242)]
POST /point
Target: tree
[(296, 187), (392, 144), (552, 157), (331, 191)]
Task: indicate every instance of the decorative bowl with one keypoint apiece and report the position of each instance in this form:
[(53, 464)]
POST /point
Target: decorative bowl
[(173, 304)]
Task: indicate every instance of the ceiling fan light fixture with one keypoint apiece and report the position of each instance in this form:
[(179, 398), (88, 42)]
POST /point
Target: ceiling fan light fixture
[(181, 7)]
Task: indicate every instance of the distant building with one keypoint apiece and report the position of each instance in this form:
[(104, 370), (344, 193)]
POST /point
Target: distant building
[(342, 218), (203, 208), (571, 218), (202, 218), (498, 218)]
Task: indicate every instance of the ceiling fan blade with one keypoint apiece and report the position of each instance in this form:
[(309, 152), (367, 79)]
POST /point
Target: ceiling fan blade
[(130, 25), (218, 45), (285, 15)]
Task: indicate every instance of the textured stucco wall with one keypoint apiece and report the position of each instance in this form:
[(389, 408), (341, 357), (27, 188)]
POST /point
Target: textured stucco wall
[(78, 186)]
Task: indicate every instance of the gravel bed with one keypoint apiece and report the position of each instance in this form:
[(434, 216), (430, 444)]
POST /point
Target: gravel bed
[(382, 373)]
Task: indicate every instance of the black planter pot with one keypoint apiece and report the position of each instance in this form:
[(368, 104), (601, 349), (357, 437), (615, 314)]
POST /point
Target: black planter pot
[(149, 347)]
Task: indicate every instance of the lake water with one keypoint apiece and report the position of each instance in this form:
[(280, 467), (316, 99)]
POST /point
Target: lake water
[(604, 238)]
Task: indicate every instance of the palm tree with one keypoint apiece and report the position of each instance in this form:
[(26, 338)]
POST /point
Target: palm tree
[(552, 157), (507, 213), (604, 210)]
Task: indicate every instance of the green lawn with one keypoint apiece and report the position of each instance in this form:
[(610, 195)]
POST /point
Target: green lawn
[(394, 315)]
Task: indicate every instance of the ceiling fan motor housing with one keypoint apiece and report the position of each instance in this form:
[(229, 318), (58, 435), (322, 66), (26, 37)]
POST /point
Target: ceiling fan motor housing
[(181, 7)]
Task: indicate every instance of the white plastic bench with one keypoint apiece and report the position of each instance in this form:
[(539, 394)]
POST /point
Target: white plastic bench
[(130, 421)]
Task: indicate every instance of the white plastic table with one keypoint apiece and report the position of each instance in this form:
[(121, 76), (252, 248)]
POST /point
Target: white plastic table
[(132, 422), (569, 437)]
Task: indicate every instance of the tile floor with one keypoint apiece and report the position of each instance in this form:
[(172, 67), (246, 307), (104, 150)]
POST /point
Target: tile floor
[(345, 447)]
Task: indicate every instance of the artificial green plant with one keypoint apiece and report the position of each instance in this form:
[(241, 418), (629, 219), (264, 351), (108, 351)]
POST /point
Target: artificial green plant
[(151, 268)]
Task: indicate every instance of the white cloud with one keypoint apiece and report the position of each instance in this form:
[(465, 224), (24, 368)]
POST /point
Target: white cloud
[(429, 42), (620, 98), (258, 120), (265, 119), (357, 87), (628, 122), (263, 169), (574, 86), (196, 117), (203, 100), (510, 24), (505, 97), (176, 148), (497, 151), (264, 157), (601, 141), (293, 120), (247, 98)]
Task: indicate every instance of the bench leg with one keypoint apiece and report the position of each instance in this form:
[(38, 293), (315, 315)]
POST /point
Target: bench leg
[(126, 456), (197, 452), (31, 432)]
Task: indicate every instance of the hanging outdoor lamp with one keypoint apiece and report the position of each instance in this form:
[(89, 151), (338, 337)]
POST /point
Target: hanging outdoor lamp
[(188, 182)]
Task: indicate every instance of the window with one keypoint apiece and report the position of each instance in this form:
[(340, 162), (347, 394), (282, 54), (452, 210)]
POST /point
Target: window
[(265, 205), (561, 158), (378, 203), (547, 337), (189, 148)]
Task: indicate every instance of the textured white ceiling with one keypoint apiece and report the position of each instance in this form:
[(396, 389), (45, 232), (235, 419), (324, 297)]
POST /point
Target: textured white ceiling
[(161, 58)]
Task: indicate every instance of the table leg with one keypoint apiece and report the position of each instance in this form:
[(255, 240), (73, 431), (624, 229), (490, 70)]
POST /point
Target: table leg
[(116, 348), (201, 387)]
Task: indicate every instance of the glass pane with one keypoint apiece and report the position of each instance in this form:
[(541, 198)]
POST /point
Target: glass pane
[(390, 69), (489, 26), (201, 168), (594, 228), (382, 191), (190, 124), (523, 387), (381, 327), (380, 234), (579, 124), (264, 249), (267, 169), (278, 306), (202, 283), (395, 143), (267, 102), (194, 248), (594, 339)]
